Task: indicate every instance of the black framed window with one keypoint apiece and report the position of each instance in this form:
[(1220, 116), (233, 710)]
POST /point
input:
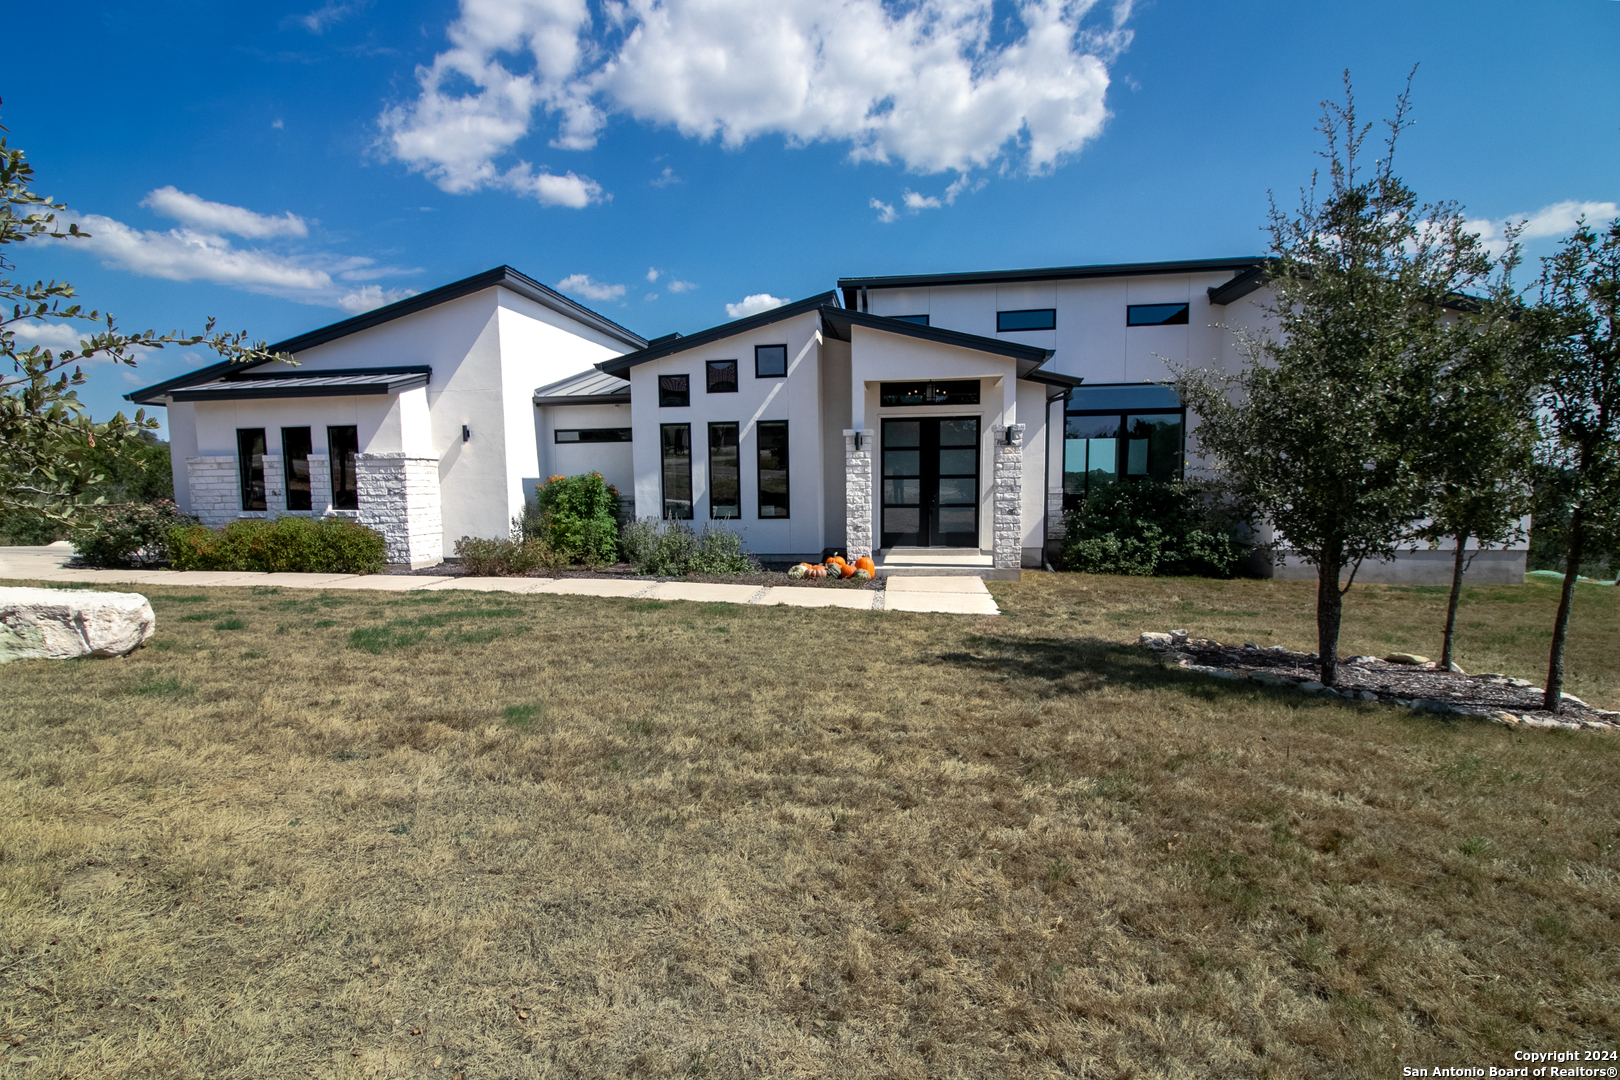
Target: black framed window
[(676, 446), (343, 444), (674, 391), (720, 376), (725, 472), (1156, 315), (593, 434), (773, 468), (770, 361), (1102, 448), (296, 446), (1027, 319), (920, 320), (250, 464), (948, 392)]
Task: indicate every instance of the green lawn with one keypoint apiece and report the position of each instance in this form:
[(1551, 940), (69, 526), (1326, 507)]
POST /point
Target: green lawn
[(353, 835)]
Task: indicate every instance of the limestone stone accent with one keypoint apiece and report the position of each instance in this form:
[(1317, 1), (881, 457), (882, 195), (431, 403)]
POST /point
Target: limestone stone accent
[(858, 503), (275, 488), (399, 497), (216, 493), (54, 624), (1008, 497), (320, 483)]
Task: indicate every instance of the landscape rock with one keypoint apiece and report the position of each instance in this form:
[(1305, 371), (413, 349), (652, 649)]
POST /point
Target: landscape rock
[(1405, 658), (1153, 640), (1178, 637), (1367, 695), (1270, 679), (58, 624), (1502, 716), (1429, 705), (1455, 670), (1311, 686)]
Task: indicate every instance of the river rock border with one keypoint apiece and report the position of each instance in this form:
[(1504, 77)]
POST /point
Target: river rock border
[(1252, 663)]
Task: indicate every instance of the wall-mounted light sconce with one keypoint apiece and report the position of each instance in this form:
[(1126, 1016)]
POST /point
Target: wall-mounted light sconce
[(857, 440), (1007, 435), (466, 433)]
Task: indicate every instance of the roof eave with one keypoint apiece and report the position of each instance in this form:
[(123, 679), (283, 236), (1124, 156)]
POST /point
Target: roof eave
[(852, 285), (621, 364)]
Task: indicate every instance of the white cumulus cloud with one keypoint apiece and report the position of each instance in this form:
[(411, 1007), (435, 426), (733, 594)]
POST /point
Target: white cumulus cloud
[(652, 273), (215, 217), (932, 85), (681, 286), (583, 285), (753, 304), (1555, 219), (199, 250), (886, 212)]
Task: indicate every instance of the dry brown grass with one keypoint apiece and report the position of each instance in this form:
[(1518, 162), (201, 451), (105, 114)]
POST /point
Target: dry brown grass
[(691, 840)]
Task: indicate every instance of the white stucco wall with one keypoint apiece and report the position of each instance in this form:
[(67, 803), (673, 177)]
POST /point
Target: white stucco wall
[(796, 399), (615, 461)]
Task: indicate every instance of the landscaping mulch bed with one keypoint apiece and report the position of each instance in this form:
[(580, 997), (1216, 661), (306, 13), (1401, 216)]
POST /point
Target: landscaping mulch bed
[(770, 574), (1423, 686)]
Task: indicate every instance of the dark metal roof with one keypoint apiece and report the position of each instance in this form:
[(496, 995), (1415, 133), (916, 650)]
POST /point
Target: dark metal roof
[(1242, 284), (503, 276), (671, 344), (1029, 357), (851, 286), (346, 382), (587, 388)]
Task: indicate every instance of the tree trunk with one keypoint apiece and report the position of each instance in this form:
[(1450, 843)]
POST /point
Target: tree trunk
[(1572, 572), (1329, 610), (1457, 565)]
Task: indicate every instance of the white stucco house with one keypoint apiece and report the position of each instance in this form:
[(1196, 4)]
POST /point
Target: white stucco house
[(902, 416)]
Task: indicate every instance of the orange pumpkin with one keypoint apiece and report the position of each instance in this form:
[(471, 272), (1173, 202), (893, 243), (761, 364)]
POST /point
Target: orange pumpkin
[(815, 573), (865, 563), (848, 569)]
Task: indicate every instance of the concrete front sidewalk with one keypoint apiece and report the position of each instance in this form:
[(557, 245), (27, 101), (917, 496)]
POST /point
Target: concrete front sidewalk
[(948, 595)]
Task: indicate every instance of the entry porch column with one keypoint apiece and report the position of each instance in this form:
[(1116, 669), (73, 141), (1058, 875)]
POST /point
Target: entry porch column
[(1007, 497), (858, 454)]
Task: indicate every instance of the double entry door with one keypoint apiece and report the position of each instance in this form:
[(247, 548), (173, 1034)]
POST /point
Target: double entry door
[(931, 482)]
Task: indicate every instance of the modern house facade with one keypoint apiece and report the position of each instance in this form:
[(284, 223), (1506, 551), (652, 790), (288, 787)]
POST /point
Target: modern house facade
[(899, 416)]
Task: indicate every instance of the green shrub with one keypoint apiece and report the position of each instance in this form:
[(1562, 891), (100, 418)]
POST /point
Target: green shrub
[(671, 549), (505, 558), (29, 528), (575, 517), (1148, 528), (130, 534), (334, 545)]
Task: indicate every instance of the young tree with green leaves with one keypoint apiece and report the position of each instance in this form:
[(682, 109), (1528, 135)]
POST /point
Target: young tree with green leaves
[(1479, 444), (45, 433), (1574, 326), (1318, 432)]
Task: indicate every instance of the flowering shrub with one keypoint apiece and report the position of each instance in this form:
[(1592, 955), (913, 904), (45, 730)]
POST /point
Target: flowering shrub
[(575, 517)]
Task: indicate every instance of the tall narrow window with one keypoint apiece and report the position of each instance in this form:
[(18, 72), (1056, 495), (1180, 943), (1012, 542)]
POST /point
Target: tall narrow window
[(773, 468), (295, 450), (770, 361), (674, 391), (676, 442), (720, 376), (725, 481), (250, 461), (343, 444)]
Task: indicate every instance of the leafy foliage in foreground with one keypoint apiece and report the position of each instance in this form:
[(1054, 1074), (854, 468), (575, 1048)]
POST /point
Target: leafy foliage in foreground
[(129, 534), (1147, 529)]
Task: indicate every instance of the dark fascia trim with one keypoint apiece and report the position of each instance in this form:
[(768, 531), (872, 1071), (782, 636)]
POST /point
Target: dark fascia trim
[(502, 276), (620, 365), (1029, 357), (851, 286), (1061, 385), (1242, 284), (243, 390), (402, 369), (621, 398)]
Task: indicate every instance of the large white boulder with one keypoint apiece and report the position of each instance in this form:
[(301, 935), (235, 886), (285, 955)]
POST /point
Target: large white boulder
[(58, 624)]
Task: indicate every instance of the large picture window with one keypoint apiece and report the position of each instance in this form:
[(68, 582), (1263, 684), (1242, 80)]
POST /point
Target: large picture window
[(725, 475), (676, 444), (343, 444), (1103, 447), (674, 391), (773, 468), (295, 450), (250, 462)]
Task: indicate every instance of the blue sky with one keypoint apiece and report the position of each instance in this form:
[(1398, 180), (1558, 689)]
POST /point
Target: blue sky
[(280, 167)]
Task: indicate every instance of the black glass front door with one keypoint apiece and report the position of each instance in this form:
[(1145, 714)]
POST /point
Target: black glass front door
[(931, 482)]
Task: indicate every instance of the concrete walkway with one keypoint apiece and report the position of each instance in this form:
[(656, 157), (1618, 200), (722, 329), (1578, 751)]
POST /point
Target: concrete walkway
[(949, 595)]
